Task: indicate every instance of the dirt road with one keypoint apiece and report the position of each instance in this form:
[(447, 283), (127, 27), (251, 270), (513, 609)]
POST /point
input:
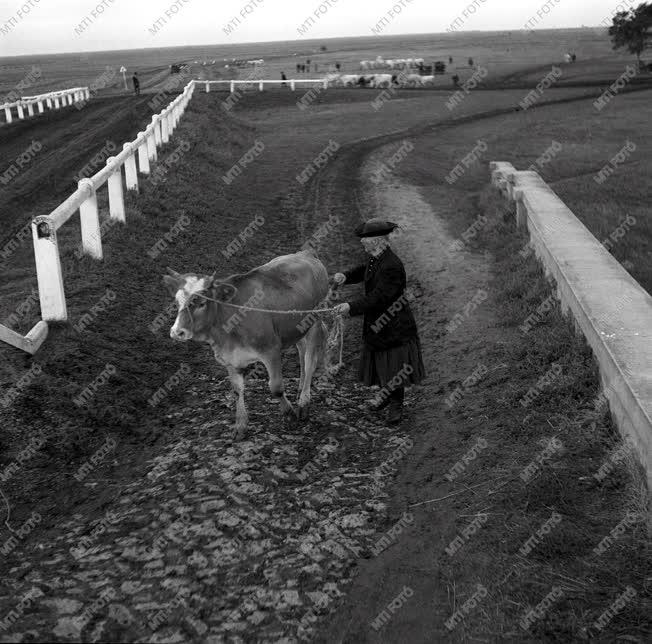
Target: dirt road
[(447, 280)]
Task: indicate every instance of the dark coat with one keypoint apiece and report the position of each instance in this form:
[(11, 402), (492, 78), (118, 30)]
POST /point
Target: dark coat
[(388, 320)]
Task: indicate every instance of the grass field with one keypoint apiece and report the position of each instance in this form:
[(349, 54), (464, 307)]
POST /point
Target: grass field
[(516, 55), (588, 139)]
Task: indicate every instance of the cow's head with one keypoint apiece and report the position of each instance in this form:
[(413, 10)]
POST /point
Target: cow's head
[(196, 314)]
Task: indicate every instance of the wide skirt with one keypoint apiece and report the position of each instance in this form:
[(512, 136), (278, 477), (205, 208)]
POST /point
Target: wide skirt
[(400, 366)]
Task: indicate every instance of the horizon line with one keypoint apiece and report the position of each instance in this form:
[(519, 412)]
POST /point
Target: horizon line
[(264, 42)]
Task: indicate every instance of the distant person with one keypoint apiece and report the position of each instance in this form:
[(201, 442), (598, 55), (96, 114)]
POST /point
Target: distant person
[(450, 60), (298, 67), (337, 66), (136, 82), (283, 78), (456, 80), (470, 62), (573, 57)]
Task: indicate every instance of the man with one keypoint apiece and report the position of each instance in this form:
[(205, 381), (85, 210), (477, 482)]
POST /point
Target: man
[(391, 353), (136, 83)]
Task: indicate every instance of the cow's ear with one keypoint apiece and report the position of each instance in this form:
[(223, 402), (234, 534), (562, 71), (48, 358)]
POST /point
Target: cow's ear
[(172, 284), (223, 291)]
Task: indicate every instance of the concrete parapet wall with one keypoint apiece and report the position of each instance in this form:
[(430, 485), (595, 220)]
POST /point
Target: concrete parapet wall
[(609, 306)]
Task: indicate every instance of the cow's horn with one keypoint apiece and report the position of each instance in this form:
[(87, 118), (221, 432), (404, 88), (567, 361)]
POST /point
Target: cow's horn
[(173, 273)]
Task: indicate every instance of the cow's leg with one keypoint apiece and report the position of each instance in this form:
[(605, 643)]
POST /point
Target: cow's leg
[(301, 348), (273, 363), (315, 343), (241, 416)]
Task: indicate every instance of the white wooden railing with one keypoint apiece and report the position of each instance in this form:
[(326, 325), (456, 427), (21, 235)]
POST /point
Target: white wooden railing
[(44, 228), (262, 82), (50, 100)]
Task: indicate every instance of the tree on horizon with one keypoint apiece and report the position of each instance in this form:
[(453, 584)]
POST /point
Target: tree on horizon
[(633, 29)]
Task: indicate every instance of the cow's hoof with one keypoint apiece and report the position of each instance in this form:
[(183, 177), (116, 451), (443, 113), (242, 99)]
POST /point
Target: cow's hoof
[(304, 412), (239, 433), (288, 411)]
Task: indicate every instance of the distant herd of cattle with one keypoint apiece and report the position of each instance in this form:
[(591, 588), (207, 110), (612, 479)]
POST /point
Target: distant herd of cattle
[(379, 80), (399, 63)]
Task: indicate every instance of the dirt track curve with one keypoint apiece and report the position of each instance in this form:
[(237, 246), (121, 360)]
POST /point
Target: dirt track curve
[(261, 540)]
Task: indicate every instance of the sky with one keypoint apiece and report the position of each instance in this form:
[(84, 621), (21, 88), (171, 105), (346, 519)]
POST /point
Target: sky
[(53, 26)]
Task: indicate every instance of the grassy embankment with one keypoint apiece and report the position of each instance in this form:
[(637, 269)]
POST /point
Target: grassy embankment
[(570, 410)]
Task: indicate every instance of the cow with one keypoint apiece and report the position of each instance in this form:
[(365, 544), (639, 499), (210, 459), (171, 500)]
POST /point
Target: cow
[(382, 80), (349, 80), (413, 80), (428, 80), (208, 312)]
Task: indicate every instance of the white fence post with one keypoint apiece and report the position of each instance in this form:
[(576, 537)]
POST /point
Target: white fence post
[(157, 129), (172, 118), (30, 109), (48, 271), (151, 145), (56, 102), (131, 173), (143, 153), (165, 134), (292, 87), (40, 107), (260, 86), (48, 102), (232, 87), (90, 221), (8, 114), (21, 113), (208, 87), (116, 196)]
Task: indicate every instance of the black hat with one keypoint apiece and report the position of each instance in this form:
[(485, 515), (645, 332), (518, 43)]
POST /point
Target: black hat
[(375, 228)]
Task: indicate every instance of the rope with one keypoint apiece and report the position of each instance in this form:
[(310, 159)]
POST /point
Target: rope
[(274, 311)]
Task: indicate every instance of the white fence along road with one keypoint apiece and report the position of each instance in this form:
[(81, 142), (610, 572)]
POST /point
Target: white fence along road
[(44, 228), (50, 100)]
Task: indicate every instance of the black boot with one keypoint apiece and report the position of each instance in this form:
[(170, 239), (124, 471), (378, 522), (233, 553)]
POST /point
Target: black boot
[(395, 414), (379, 403)]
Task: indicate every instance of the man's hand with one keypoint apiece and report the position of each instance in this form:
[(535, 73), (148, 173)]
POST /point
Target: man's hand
[(339, 278), (342, 309)]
